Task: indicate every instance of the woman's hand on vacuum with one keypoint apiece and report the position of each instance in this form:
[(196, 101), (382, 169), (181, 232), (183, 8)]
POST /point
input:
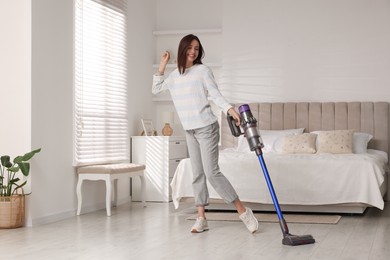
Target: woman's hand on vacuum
[(163, 62), (235, 115)]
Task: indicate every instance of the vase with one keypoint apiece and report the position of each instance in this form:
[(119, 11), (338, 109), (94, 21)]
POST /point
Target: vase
[(167, 130)]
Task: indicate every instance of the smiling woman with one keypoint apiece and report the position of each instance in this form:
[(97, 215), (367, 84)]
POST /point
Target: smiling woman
[(192, 85), (100, 107)]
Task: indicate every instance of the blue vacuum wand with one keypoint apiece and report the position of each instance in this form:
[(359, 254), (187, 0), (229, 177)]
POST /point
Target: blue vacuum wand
[(249, 128)]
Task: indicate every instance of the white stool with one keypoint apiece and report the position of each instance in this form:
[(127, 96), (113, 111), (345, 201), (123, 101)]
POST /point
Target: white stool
[(110, 173)]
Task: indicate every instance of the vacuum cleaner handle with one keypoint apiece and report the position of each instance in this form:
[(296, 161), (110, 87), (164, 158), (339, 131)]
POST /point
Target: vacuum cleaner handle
[(236, 130)]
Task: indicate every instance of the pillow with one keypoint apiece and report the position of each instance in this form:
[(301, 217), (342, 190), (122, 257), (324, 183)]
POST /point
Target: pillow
[(271, 140), (337, 141), (360, 142), (296, 131), (303, 143)]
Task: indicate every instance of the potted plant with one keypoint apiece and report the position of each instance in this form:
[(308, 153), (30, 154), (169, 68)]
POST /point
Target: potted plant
[(11, 201)]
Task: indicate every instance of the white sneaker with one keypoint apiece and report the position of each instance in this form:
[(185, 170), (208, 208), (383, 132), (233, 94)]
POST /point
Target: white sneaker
[(250, 220), (200, 225)]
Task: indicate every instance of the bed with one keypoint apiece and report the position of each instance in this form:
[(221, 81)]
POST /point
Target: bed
[(331, 181)]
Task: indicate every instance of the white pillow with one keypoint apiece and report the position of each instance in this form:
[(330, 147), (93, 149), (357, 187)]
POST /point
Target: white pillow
[(359, 141), (272, 140), (284, 132)]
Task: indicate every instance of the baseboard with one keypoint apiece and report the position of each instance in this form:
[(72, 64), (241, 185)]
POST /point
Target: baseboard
[(72, 213), (52, 218)]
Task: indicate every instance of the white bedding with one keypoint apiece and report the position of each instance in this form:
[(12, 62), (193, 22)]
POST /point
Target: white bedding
[(298, 179)]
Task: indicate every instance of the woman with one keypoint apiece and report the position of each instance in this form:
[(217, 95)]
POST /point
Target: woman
[(190, 86)]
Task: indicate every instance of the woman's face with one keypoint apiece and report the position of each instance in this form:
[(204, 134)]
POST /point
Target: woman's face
[(192, 52)]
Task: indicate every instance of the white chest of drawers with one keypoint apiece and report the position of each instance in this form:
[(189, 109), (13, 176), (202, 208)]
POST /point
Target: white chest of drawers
[(161, 155)]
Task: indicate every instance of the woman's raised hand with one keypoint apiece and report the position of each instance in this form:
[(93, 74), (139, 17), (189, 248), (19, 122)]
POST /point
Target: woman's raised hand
[(165, 57), (163, 63)]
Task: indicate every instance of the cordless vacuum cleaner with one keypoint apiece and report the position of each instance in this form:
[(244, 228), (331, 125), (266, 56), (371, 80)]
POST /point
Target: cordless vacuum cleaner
[(249, 126)]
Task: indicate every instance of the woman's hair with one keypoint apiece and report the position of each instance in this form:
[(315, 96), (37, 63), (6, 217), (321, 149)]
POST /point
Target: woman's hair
[(182, 50)]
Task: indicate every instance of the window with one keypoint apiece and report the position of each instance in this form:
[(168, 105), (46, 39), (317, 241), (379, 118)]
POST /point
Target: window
[(100, 82)]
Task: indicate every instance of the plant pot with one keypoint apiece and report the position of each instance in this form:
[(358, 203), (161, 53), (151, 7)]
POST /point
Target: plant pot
[(12, 211)]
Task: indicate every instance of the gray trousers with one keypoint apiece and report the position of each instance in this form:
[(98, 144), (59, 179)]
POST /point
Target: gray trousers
[(203, 150)]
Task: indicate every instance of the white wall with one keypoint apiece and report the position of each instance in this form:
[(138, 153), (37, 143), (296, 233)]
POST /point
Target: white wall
[(301, 50), (15, 77), (142, 18), (184, 15), (54, 178)]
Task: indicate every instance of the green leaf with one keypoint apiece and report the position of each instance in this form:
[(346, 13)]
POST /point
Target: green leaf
[(6, 161), (21, 185), (26, 156), (14, 169), (25, 168), (29, 155), (14, 190), (18, 159), (13, 181)]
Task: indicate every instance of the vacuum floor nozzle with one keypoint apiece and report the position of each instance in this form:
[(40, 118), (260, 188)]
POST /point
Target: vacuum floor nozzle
[(293, 240)]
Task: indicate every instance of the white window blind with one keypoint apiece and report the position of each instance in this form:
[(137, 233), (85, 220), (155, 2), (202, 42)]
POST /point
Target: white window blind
[(100, 96)]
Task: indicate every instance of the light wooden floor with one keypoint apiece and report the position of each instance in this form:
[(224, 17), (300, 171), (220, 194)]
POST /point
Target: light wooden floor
[(160, 232)]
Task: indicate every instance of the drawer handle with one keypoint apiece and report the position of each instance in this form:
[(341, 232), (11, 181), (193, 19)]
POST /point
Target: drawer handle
[(177, 160), (177, 143)]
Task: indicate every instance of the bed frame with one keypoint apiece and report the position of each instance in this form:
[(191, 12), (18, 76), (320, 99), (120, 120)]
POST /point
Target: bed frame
[(368, 117)]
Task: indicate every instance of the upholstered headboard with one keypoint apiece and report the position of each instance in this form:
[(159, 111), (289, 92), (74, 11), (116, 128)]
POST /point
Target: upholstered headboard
[(367, 117)]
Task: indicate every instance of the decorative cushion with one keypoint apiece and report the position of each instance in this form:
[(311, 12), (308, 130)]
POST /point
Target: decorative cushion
[(272, 140), (359, 141), (303, 143), (337, 141)]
